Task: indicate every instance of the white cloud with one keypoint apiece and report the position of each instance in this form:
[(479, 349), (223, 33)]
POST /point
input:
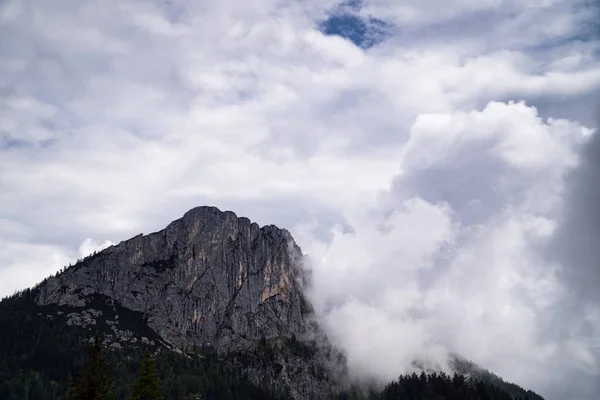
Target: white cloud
[(90, 246), (24, 264), (413, 172), (467, 275), (511, 132)]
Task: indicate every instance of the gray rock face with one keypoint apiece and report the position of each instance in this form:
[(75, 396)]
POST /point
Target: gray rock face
[(209, 278)]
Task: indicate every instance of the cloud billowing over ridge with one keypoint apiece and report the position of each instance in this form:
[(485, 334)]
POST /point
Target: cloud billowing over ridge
[(451, 258), (439, 177)]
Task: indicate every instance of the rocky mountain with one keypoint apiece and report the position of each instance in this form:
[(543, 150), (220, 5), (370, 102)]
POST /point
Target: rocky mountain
[(209, 278), (217, 299)]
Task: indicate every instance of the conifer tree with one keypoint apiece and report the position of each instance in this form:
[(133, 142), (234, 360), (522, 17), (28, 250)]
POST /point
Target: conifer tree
[(93, 381), (145, 386)]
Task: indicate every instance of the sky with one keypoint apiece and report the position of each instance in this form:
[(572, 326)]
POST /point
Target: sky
[(436, 161)]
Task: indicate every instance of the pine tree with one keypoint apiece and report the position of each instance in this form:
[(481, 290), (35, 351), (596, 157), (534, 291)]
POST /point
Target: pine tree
[(145, 386), (94, 381)]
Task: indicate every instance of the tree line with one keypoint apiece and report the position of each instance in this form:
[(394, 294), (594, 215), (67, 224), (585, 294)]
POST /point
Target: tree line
[(440, 386)]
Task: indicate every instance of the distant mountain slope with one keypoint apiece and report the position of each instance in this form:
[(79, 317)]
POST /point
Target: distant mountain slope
[(456, 387), (472, 370)]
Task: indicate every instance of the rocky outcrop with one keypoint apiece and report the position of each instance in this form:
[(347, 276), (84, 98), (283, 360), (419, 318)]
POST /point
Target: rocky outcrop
[(208, 279)]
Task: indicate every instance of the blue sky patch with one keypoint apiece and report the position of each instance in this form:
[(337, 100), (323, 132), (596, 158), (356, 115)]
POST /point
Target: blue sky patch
[(345, 21)]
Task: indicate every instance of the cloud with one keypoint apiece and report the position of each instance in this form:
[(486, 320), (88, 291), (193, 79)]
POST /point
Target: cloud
[(425, 175), (24, 264), (90, 246), (449, 259)]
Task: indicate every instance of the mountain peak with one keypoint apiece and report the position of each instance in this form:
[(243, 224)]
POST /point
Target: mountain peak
[(207, 212)]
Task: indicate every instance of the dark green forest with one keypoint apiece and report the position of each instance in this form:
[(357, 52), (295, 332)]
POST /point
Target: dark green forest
[(45, 359), (443, 387), (38, 357)]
